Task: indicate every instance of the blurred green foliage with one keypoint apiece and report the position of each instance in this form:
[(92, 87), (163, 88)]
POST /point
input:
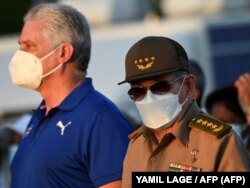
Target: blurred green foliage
[(11, 15)]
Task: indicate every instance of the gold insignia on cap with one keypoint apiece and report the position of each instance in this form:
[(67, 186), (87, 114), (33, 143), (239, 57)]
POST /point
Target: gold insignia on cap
[(145, 63), (210, 125)]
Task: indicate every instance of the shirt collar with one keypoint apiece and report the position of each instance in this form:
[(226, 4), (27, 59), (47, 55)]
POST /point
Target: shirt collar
[(74, 98), (181, 130)]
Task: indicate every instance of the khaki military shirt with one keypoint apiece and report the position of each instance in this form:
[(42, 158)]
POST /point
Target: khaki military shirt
[(197, 143)]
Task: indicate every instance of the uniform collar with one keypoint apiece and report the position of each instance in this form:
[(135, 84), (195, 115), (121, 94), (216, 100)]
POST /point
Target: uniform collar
[(181, 130)]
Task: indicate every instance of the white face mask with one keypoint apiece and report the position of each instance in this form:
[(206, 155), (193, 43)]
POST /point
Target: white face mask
[(26, 69), (159, 110)]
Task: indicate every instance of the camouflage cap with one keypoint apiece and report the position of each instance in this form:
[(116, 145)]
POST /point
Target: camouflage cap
[(152, 56)]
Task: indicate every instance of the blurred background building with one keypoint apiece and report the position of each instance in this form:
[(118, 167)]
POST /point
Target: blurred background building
[(215, 33)]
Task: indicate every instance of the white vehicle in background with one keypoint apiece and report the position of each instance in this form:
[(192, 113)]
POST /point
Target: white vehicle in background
[(219, 41)]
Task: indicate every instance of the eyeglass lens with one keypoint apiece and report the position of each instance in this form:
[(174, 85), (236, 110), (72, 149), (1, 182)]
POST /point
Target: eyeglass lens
[(159, 88)]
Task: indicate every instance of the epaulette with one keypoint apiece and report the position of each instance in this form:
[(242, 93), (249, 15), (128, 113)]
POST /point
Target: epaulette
[(210, 125), (135, 134)]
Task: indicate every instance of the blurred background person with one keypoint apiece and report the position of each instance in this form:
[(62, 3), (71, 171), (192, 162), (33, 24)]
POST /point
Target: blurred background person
[(10, 136), (196, 69), (242, 85), (223, 104)]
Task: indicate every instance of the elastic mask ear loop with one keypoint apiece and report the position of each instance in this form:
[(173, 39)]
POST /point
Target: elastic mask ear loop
[(181, 85), (56, 68), (44, 57), (180, 90), (53, 70)]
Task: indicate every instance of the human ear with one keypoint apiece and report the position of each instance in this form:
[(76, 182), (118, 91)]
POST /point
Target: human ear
[(190, 83), (67, 50)]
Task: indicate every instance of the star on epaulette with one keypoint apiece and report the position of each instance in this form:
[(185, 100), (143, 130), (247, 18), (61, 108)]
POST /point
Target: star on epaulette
[(210, 125)]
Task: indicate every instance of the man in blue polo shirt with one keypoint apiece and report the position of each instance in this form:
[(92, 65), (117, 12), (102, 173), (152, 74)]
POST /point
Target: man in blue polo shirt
[(76, 137)]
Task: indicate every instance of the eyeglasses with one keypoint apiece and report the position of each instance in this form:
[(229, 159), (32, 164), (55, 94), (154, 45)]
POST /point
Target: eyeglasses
[(159, 88)]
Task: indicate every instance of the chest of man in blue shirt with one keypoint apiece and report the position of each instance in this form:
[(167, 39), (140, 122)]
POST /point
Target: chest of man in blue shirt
[(81, 143)]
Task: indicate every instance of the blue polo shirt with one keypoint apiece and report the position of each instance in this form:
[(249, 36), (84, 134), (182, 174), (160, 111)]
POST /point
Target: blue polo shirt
[(80, 143)]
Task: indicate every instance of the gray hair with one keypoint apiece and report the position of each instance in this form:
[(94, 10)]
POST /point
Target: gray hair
[(65, 24)]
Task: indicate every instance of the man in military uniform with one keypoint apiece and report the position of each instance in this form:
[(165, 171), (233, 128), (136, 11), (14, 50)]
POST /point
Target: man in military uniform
[(176, 135)]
